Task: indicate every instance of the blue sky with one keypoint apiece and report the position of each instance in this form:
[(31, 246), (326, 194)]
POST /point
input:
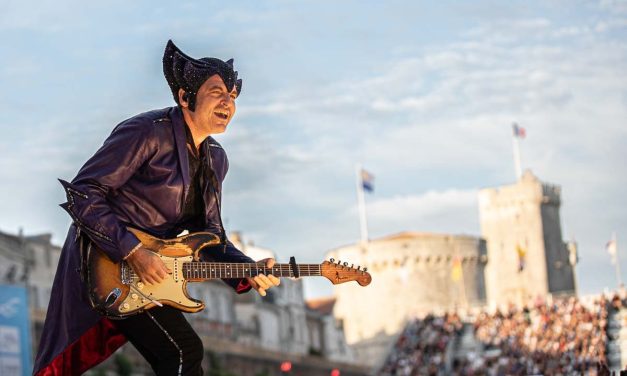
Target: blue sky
[(422, 94)]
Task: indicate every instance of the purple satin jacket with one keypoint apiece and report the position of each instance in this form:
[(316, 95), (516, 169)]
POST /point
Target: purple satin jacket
[(139, 177)]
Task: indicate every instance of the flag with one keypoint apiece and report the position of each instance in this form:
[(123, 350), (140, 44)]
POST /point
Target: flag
[(519, 131), (522, 253), (611, 249), (456, 270), (367, 181)]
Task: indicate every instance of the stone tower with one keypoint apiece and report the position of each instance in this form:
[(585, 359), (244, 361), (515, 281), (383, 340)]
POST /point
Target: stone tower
[(413, 274), (526, 253)]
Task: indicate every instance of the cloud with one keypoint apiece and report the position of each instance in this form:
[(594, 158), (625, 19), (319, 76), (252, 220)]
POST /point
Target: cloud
[(450, 211), (427, 108), (444, 116)]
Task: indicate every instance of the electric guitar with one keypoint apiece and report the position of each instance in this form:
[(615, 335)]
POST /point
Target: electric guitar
[(116, 291)]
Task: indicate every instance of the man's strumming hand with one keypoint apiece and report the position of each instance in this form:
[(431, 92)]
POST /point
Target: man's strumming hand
[(263, 282), (148, 266)]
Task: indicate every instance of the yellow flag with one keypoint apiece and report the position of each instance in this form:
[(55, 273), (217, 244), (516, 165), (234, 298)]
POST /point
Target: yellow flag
[(521, 257), (456, 270)]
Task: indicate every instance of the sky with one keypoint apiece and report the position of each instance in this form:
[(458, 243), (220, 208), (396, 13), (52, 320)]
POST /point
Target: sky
[(422, 94)]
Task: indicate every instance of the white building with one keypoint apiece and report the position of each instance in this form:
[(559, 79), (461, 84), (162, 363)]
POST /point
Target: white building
[(282, 322), (30, 261)]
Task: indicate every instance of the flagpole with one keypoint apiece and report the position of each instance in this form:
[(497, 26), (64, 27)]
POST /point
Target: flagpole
[(573, 258), (517, 157), (361, 203), (618, 277)]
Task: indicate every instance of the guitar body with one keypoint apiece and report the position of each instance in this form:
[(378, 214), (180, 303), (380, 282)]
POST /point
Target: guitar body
[(116, 292)]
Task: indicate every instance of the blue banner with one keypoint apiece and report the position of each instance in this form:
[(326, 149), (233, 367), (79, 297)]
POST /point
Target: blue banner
[(15, 340)]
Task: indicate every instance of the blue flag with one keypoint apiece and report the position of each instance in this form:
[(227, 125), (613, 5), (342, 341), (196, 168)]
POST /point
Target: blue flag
[(367, 181)]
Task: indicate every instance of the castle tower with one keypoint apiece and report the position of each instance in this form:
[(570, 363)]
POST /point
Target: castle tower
[(526, 253), (413, 274)]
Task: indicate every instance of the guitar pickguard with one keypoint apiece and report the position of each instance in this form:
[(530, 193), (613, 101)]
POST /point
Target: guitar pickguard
[(171, 291)]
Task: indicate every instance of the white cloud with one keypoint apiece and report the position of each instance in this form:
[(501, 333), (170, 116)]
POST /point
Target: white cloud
[(452, 211), (447, 112), (430, 118)]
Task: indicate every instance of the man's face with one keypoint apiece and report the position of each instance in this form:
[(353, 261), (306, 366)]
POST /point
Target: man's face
[(215, 106)]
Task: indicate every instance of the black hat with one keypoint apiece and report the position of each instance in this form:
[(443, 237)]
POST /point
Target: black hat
[(187, 73)]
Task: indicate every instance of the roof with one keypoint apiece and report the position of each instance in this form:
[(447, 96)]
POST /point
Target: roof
[(321, 305), (409, 235)]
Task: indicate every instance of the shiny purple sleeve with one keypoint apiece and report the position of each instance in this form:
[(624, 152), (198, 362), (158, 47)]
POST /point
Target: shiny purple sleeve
[(122, 153), (229, 253)]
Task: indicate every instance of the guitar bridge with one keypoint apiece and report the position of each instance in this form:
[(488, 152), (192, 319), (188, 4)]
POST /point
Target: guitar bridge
[(125, 274)]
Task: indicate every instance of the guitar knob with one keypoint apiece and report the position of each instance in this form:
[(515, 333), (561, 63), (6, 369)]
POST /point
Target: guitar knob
[(332, 259), (134, 296), (140, 285), (126, 306)]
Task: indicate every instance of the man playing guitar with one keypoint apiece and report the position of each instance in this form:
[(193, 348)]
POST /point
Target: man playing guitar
[(160, 172)]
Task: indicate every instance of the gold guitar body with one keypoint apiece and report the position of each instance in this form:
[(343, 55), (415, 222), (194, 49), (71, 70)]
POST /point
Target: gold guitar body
[(116, 292)]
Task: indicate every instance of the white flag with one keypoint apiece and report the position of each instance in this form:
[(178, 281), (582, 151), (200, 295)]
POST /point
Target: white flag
[(611, 249)]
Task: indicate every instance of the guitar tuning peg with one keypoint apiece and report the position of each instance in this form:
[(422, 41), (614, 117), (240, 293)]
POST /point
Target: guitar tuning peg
[(332, 259), (339, 262), (345, 263), (358, 267), (365, 269), (352, 265)]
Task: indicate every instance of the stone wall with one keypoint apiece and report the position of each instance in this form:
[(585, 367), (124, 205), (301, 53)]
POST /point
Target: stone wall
[(412, 275)]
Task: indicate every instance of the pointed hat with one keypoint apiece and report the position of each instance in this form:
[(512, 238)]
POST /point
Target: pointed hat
[(185, 72)]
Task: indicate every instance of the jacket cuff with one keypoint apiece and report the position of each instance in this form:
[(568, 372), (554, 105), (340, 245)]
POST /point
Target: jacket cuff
[(129, 245), (138, 246), (76, 207), (243, 286)]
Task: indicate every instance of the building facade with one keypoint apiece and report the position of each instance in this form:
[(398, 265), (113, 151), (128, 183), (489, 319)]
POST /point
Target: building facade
[(527, 255), (30, 261)]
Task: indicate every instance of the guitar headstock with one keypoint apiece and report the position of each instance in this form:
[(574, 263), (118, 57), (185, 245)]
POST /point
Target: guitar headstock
[(339, 272)]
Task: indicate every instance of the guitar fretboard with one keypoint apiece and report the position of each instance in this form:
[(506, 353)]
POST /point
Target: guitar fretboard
[(212, 270)]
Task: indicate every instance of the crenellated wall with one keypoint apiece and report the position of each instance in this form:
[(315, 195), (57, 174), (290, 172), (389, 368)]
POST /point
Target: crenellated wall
[(412, 275)]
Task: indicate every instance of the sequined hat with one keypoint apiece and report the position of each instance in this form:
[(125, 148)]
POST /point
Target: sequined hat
[(187, 73)]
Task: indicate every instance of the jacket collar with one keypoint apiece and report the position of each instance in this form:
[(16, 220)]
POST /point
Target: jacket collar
[(178, 125)]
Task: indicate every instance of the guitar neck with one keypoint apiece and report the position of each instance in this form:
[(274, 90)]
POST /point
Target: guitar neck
[(219, 270)]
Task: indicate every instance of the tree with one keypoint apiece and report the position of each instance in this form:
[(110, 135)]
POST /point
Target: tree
[(123, 365), (215, 368)]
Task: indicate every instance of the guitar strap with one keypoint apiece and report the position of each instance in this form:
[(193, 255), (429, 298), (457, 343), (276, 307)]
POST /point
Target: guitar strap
[(84, 246)]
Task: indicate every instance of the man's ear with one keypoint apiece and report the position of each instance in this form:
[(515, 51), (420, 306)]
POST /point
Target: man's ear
[(183, 98)]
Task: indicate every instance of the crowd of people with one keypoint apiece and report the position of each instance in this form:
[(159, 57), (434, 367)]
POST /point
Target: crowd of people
[(559, 337), (421, 348), (562, 337)]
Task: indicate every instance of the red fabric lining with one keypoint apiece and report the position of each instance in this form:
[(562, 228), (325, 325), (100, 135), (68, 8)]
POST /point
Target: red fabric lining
[(243, 286), (93, 347)]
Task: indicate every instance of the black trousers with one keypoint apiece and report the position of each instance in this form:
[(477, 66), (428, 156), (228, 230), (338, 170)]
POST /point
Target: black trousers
[(167, 341)]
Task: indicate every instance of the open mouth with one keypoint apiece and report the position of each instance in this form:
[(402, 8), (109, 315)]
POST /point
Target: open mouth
[(222, 114)]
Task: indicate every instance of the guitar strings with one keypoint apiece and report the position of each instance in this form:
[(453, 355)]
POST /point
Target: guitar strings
[(241, 269)]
